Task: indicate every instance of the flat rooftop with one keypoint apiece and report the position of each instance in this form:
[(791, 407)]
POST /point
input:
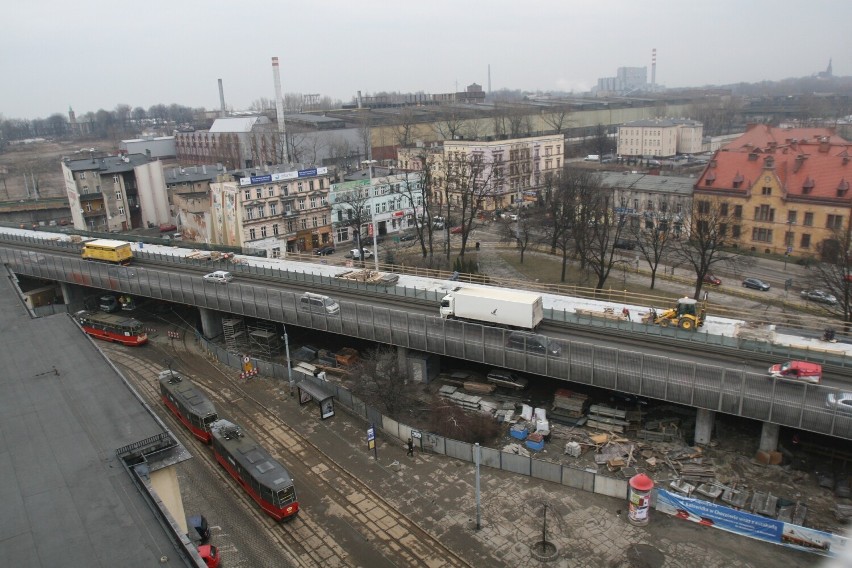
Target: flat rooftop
[(67, 499)]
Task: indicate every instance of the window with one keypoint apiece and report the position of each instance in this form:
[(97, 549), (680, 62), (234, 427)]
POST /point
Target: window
[(636, 204), (322, 183), (259, 192), (304, 223), (275, 229), (273, 209), (788, 238), (311, 185), (85, 190), (738, 211), (251, 234), (324, 220), (82, 175), (260, 211), (291, 225), (761, 235), (764, 213), (302, 203), (271, 192), (121, 210), (766, 190), (834, 222), (276, 252), (314, 222), (299, 187), (116, 178), (263, 231), (703, 207), (249, 214), (791, 217), (247, 195), (806, 241), (809, 220), (313, 202), (723, 230)]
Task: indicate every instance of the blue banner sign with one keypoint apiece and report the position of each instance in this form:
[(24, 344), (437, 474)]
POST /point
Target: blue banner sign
[(283, 176), (748, 524)]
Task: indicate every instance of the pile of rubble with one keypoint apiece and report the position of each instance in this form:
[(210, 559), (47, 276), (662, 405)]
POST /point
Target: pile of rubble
[(370, 277)]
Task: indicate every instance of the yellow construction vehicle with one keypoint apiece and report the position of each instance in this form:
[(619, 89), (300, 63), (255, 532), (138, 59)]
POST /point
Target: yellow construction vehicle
[(688, 314)]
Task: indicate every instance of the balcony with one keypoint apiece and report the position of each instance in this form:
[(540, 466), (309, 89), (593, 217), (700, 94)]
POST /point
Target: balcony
[(97, 196), (94, 213)]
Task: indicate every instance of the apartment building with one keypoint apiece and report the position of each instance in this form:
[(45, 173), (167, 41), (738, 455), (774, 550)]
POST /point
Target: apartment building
[(389, 203), (786, 190), (660, 137), (235, 142), (649, 201), (279, 212), (103, 192)]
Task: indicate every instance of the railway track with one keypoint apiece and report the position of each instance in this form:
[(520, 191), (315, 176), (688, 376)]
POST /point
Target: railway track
[(348, 522)]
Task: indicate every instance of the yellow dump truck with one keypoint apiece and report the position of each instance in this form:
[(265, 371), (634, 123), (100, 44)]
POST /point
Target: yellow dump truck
[(108, 250)]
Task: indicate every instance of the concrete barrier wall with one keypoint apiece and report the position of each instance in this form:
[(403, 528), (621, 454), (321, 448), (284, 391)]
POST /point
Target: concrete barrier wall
[(546, 470), (514, 463), (610, 486)]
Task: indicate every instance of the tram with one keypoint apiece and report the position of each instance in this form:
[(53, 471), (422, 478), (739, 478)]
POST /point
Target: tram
[(188, 403), (264, 479), (112, 327)]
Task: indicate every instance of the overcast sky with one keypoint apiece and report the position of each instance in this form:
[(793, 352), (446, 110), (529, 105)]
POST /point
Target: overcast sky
[(91, 54)]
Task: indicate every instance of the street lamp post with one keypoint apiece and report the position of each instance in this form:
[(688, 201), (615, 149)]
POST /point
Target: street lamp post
[(289, 369), (373, 216), (788, 244)]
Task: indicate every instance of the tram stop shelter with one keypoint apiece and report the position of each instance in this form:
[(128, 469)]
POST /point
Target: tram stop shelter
[(309, 392)]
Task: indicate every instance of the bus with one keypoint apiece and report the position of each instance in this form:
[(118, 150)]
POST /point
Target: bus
[(112, 327), (108, 250)]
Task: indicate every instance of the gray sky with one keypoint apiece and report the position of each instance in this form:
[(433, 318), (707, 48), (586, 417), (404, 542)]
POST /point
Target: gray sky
[(94, 54)]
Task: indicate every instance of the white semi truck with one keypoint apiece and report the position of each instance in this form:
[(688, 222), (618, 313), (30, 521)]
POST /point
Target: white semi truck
[(490, 306)]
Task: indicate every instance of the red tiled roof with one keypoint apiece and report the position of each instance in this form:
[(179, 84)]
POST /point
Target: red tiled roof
[(763, 137), (825, 172)]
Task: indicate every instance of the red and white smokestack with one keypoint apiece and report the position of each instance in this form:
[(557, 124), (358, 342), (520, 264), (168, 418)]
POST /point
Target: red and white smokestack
[(279, 101), (654, 67)]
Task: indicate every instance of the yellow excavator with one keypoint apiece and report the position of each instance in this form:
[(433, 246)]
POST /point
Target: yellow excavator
[(688, 314)]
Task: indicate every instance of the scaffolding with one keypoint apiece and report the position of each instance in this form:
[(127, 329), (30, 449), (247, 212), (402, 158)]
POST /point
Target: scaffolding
[(264, 340), (235, 335)]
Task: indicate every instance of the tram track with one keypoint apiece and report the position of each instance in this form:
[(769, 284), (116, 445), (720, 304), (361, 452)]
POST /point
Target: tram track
[(363, 521)]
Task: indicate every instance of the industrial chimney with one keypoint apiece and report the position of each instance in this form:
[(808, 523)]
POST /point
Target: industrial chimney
[(221, 100), (654, 69), (360, 104), (279, 107)]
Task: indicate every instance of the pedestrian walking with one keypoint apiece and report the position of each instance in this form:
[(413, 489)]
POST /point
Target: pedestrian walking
[(411, 447)]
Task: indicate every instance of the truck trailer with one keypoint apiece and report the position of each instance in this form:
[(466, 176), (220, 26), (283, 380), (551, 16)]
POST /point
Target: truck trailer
[(512, 309), (108, 250)]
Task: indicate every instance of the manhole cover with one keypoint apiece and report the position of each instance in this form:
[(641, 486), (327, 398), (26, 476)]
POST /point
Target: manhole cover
[(644, 556)]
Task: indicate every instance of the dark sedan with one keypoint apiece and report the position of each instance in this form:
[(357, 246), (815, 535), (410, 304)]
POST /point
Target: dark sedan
[(755, 284), (324, 251)]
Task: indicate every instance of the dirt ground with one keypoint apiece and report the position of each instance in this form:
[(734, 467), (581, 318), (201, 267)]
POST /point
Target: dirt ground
[(39, 162)]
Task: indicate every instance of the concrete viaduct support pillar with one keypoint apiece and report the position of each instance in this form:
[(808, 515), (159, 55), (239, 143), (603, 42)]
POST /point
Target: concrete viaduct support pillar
[(402, 359), (704, 422), (769, 437), (74, 296), (211, 323)]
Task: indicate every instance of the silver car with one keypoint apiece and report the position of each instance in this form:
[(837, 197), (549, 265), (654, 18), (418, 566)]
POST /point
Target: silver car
[(839, 402)]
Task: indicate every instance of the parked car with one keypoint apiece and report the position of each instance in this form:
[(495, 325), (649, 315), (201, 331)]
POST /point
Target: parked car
[(219, 277), (533, 343), (841, 402), (457, 230), (407, 237), (508, 379), (712, 280), (625, 244), (354, 253), (109, 304), (819, 296), (167, 227), (755, 284), (797, 370), (324, 251)]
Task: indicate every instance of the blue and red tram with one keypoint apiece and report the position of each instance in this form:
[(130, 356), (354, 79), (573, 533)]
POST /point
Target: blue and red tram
[(264, 479), (188, 403), (112, 327)]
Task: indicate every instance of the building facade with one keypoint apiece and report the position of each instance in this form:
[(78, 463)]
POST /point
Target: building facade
[(391, 204), (280, 212), (648, 201), (103, 192), (660, 137), (237, 142), (787, 192)]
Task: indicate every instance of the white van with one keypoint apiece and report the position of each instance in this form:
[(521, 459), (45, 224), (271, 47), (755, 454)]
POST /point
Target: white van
[(219, 277), (319, 304)]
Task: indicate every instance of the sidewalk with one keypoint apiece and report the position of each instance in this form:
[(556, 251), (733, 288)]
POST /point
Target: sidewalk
[(437, 492)]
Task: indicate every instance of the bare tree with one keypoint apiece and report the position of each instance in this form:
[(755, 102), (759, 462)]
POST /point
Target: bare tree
[(558, 118), (710, 223), (466, 185), (418, 191), (378, 380), (261, 104), (523, 231), (834, 273), (352, 209), (449, 124), (403, 130), (655, 233)]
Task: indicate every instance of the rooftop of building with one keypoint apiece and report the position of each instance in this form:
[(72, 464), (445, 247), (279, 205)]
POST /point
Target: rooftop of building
[(765, 136), (673, 185), (64, 411), (192, 174), (238, 124), (108, 164)]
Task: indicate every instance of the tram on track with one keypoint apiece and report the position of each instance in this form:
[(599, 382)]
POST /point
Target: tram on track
[(188, 403), (264, 479), (112, 327)]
